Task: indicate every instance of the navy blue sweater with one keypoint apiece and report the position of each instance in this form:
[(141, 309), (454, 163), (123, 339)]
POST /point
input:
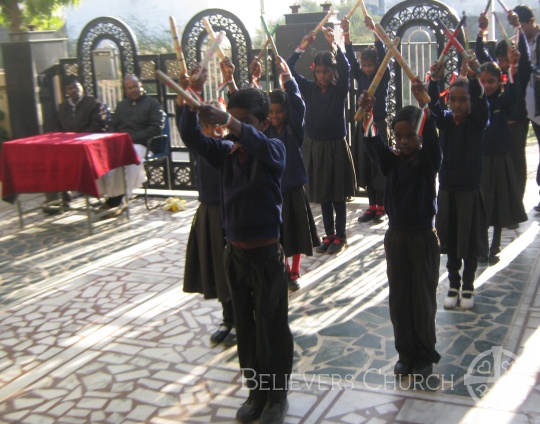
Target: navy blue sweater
[(519, 111), (461, 145), (325, 111), (250, 189), (292, 136), (498, 137), (364, 81), (410, 185)]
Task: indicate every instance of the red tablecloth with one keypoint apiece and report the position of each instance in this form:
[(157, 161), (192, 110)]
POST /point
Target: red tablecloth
[(62, 161)]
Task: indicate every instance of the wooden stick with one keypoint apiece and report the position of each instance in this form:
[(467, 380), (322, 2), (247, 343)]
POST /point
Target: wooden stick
[(260, 55), (364, 10), (179, 55), (212, 35), (503, 31), (353, 9), (465, 37), (449, 43), (212, 49), (164, 78), (399, 58), (319, 26), (269, 35), (456, 43), (504, 6), (486, 10), (377, 78)]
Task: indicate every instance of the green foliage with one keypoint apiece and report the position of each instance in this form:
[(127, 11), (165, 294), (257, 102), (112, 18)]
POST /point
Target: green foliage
[(157, 41), (20, 15)]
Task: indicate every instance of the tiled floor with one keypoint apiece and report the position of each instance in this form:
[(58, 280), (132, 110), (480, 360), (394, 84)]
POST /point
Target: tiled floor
[(96, 329)]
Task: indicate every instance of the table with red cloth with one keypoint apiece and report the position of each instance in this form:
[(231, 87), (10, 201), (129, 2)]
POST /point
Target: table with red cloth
[(55, 162)]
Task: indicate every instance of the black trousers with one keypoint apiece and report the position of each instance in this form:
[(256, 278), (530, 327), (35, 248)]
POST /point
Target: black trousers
[(259, 290), (412, 260)]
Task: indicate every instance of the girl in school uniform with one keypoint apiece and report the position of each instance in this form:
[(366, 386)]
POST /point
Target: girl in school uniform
[(298, 230), (326, 153), (500, 185)]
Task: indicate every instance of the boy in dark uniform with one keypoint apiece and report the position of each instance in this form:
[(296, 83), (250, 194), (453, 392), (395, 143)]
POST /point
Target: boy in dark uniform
[(251, 167)]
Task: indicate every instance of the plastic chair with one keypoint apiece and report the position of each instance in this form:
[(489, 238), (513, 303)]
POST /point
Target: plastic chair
[(157, 161)]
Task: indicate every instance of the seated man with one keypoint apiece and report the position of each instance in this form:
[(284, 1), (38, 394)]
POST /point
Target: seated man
[(78, 113), (142, 117)]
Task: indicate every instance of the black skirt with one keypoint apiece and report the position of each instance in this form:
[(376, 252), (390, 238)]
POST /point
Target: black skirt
[(367, 173), (298, 230), (501, 191), (330, 170), (461, 223), (205, 270)]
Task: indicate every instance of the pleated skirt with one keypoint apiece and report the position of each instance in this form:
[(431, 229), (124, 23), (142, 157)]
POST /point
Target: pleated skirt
[(501, 191), (330, 170), (205, 271), (298, 230), (461, 223), (367, 173)]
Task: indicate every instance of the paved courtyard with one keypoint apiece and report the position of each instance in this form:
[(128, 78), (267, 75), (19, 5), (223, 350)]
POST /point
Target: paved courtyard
[(96, 329)]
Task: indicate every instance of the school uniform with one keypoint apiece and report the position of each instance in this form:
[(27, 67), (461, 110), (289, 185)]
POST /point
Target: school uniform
[(326, 153), (460, 218), (368, 175), (251, 203), (500, 185), (298, 231), (411, 244), (517, 115)]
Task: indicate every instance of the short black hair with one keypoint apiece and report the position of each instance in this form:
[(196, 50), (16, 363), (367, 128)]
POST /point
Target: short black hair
[(253, 99), (326, 59), (501, 49), (71, 79), (524, 12), (410, 114), (492, 68), (370, 54), (460, 83)]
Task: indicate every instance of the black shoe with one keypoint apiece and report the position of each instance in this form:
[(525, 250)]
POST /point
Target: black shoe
[(337, 246), (482, 259), (230, 340), (274, 411), (493, 259), (293, 281), (425, 369), (222, 332), (379, 218), (250, 410), (49, 210), (402, 368), (326, 242), (368, 216), (513, 226)]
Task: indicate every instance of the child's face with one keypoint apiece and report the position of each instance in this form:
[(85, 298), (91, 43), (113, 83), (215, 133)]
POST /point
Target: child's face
[(324, 75), (490, 82), (368, 67), (247, 117), (407, 141), (277, 114), (459, 101)]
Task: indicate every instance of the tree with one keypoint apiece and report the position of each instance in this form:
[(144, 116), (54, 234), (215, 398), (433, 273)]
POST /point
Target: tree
[(39, 14)]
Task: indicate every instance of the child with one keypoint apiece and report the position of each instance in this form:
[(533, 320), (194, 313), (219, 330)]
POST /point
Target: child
[(500, 186), (251, 167), (368, 175), (411, 244), (326, 152), (204, 271), (299, 232), (517, 116), (460, 218)]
